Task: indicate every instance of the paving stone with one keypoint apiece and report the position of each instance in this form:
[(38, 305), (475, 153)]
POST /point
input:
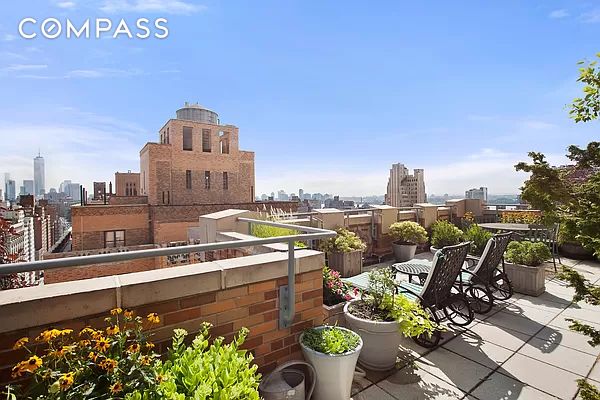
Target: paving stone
[(545, 301), (564, 337), (582, 313), (539, 314), (515, 322), (595, 373), (541, 376), (416, 384), (453, 368), (501, 387), (499, 335), (473, 347), (373, 393), (561, 322), (560, 356)]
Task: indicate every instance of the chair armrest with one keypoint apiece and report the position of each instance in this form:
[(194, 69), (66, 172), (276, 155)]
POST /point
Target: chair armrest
[(406, 290)]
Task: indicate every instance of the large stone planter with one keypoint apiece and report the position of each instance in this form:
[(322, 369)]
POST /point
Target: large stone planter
[(404, 251), (347, 264), (334, 315), (525, 279), (575, 251)]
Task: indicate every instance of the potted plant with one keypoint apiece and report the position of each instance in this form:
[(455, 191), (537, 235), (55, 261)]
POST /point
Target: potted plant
[(568, 245), (478, 238), (524, 268), (384, 321), (407, 235), (335, 295), (444, 233), (333, 352), (344, 252)]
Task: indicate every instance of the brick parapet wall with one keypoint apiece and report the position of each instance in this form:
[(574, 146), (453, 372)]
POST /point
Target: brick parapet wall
[(229, 294)]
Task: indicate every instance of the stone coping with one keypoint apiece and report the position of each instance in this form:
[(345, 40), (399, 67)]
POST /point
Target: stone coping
[(47, 304)]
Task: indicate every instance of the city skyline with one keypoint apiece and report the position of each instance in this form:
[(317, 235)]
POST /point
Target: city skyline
[(302, 93)]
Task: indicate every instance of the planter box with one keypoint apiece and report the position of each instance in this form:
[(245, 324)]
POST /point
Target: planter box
[(525, 279), (575, 251), (347, 264), (334, 315)]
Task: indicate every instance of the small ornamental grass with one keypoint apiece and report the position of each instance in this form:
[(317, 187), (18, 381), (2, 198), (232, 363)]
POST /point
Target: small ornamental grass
[(108, 363), (345, 242), (330, 340), (408, 232)]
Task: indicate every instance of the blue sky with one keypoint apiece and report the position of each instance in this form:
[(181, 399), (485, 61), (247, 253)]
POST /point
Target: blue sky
[(328, 94)]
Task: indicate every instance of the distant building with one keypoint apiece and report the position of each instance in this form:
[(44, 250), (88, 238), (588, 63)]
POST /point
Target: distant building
[(73, 190), (10, 189), (99, 191), (403, 189), (301, 194), (28, 186), (481, 194), (39, 176), (127, 183)]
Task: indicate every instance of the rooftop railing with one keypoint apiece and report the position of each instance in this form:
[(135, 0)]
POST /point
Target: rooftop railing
[(286, 293)]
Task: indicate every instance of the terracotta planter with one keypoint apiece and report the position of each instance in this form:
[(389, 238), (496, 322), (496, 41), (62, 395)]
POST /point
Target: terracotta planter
[(347, 264), (334, 315), (404, 251), (525, 279)]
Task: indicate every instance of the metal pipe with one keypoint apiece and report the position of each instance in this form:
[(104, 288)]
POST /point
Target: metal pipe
[(288, 318)]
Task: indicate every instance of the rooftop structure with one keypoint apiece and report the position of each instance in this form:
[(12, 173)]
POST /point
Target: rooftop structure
[(403, 189)]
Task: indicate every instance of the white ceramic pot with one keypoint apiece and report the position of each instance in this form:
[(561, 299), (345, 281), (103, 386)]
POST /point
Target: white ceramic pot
[(404, 252), (334, 371), (381, 341)]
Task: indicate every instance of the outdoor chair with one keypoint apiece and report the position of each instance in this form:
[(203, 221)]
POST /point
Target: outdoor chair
[(547, 235), (485, 282), (440, 296)]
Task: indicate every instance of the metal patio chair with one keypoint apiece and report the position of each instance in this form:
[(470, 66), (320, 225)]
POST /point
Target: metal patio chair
[(441, 296), (547, 235), (486, 282)]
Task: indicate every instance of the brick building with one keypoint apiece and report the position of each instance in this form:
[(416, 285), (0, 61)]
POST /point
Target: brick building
[(127, 184)]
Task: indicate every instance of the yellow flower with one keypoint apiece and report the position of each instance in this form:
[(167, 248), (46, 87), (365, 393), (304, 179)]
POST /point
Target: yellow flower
[(153, 318), (128, 313), (20, 343), (109, 364), (112, 330), (149, 345), (84, 343), (116, 311), (102, 344), (32, 364), (16, 371), (161, 378), (116, 387), (66, 380), (134, 348), (87, 331), (48, 335), (66, 332), (145, 360), (92, 356)]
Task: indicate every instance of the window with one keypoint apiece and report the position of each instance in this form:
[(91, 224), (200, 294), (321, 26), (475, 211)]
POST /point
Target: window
[(206, 179), (224, 146), (167, 138), (206, 140), (166, 197), (188, 179), (114, 239), (187, 138), (225, 181)]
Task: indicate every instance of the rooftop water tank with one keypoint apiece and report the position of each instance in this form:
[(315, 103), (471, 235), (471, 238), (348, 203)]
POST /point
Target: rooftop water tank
[(195, 112)]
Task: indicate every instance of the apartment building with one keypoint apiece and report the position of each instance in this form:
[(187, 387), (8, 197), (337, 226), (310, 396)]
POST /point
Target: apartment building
[(404, 189)]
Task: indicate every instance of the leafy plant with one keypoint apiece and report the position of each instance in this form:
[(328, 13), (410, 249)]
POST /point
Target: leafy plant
[(478, 238), (443, 234), (584, 291), (408, 232), (345, 242), (208, 371), (101, 364), (528, 253), (382, 304), (330, 340), (334, 290), (267, 231), (520, 217), (588, 108)]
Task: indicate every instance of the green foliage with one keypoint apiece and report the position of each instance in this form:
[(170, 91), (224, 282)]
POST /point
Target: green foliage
[(520, 217), (330, 340), (589, 293), (267, 231), (345, 242), (385, 304), (208, 371), (527, 253), (570, 195), (408, 232), (478, 238), (443, 233), (334, 290), (587, 108)]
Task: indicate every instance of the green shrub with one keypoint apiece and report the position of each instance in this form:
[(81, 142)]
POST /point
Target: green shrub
[(330, 340), (527, 253), (443, 233), (478, 238), (345, 242), (408, 232), (208, 371)]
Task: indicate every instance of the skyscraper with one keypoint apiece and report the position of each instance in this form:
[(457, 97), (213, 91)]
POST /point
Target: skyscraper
[(39, 175), (404, 190), (481, 193), (10, 189), (28, 186)]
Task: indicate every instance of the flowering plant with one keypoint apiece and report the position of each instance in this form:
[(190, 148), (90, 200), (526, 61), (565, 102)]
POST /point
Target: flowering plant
[(108, 363), (334, 290)]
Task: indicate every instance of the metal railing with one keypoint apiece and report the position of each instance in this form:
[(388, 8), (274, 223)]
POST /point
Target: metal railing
[(286, 293)]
